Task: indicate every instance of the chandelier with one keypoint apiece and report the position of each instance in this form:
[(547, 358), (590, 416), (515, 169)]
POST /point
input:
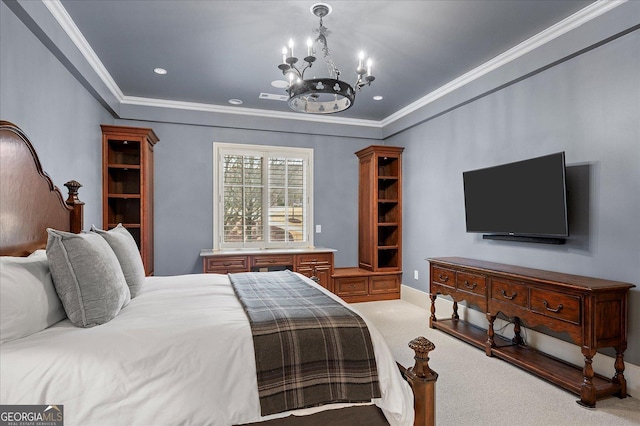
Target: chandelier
[(321, 95)]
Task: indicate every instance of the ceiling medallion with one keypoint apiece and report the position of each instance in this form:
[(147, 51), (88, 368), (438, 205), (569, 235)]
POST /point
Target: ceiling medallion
[(321, 95)]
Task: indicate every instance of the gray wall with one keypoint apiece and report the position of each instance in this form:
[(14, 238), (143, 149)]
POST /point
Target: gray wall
[(59, 116), (589, 107), (184, 190)]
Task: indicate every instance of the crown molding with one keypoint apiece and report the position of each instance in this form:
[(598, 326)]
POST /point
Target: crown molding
[(577, 19), (254, 112), (580, 17), (64, 19)]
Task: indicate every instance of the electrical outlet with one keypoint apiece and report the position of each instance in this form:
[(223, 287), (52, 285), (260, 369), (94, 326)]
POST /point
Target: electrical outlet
[(318, 229), (415, 274)]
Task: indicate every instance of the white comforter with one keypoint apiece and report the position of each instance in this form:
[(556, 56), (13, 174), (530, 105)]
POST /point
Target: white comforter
[(180, 353)]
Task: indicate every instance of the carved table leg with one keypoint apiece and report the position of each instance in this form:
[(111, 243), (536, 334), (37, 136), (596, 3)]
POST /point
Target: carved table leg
[(454, 315), (618, 378), (490, 333), (588, 390), (432, 318), (517, 338)]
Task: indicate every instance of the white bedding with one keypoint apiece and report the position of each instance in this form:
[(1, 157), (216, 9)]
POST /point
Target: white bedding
[(180, 353)]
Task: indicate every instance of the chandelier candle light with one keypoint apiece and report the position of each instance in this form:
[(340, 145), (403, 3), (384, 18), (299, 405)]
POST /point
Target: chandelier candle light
[(321, 95)]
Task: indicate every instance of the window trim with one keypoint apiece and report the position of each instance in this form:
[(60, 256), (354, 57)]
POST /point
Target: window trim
[(222, 148)]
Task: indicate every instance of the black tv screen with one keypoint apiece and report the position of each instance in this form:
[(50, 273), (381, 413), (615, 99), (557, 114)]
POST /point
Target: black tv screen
[(525, 198)]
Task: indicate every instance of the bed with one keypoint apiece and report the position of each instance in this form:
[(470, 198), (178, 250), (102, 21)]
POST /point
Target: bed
[(180, 352)]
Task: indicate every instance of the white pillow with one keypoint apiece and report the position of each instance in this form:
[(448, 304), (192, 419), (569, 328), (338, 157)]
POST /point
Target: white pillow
[(28, 299)]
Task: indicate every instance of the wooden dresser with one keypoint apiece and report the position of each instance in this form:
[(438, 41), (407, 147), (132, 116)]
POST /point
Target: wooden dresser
[(592, 311), (315, 263)]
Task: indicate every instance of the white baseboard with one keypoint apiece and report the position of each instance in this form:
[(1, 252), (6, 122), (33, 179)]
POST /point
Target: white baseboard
[(602, 364)]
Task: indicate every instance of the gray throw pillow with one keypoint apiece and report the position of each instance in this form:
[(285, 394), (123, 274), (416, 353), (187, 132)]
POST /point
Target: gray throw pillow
[(126, 250), (87, 277)]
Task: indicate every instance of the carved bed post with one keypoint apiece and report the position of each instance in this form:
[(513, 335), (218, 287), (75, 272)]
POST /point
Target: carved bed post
[(74, 202), (423, 382)]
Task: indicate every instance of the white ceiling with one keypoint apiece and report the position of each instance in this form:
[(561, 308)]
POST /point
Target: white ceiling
[(218, 50)]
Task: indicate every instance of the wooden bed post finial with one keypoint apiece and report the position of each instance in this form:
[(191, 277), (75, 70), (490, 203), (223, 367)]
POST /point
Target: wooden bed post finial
[(78, 206), (422, 346), (423, 381)]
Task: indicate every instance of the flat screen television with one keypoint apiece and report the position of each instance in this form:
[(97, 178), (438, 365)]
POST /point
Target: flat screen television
[(524, 201)]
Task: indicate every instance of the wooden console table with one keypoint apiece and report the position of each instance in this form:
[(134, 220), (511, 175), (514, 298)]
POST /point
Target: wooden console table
[(593, 312), (313, 262)]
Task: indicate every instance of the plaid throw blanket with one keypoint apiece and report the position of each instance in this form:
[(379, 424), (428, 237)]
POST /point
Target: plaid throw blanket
[(309, 349)]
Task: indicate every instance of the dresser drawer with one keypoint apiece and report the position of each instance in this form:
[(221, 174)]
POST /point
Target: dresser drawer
[(443, 276), (510, 292), (314, 259), (267, 260), (351, 286), (471, 283), (556, 305), (384, 284), (226, 264)]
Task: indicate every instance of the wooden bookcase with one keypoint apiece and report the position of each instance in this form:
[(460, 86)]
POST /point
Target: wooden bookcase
[(379, 271), (380, 209), (127, 184)]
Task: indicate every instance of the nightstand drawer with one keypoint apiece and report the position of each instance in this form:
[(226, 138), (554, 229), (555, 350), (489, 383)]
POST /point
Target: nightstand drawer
[(510, 292), (556, 305), (443, 276), (471, 283)]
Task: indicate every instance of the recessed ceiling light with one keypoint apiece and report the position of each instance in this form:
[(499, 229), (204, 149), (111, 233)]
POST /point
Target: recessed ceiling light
[(160, 71), (235, 101), (378, 98), (280, 84)]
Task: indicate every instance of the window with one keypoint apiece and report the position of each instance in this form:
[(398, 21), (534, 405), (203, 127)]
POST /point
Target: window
[(262, 196)]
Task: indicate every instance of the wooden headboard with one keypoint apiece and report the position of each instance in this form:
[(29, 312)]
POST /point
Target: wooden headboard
[(29, 201)]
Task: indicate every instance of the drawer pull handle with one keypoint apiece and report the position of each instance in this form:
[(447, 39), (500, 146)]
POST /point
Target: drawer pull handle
[(509, 297), (315, 279), (443, 277), (470, 286), (546, 305), (272, 261), (227, 264)]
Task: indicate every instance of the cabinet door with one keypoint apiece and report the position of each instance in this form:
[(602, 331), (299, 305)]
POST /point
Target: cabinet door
[(319, 274)]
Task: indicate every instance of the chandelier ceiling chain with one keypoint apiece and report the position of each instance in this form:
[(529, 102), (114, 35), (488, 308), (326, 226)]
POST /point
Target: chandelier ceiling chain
[(321, 95)]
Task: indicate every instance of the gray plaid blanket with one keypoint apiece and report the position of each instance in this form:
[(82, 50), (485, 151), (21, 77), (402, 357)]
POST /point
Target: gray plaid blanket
[(309, 349)]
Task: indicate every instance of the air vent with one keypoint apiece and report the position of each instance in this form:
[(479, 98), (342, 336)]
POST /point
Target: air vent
[(272, 97)]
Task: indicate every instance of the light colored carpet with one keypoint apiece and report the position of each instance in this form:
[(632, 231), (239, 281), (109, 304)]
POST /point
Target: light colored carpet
[(474, 389)]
